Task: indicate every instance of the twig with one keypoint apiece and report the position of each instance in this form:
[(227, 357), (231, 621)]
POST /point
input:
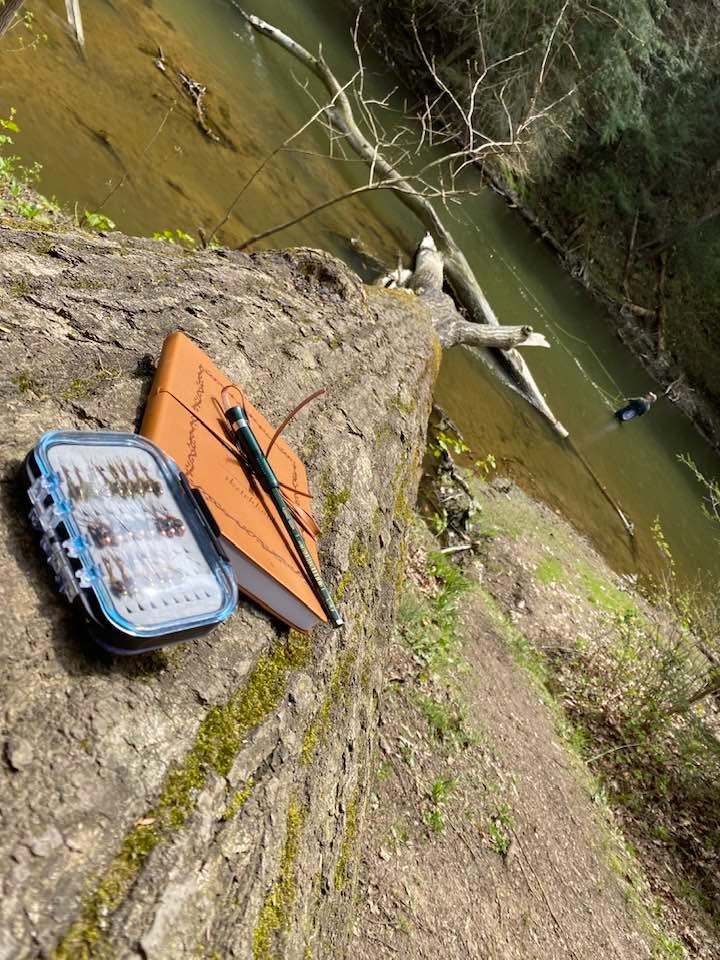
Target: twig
[(266, 160), (605, 753), (339, 116), (147, 146)]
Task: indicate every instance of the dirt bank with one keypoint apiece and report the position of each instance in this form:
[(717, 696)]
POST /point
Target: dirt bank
[(489, 834)]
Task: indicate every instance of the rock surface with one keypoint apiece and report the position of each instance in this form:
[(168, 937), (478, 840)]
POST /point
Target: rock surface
[(204, 801)]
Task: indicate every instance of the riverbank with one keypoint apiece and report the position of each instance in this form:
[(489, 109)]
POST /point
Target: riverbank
[(506, 818), (596, 217), (233, 763), (602, 278)]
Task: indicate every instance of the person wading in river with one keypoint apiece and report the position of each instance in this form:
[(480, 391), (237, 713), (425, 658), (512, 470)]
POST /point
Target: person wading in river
[(635, 407)]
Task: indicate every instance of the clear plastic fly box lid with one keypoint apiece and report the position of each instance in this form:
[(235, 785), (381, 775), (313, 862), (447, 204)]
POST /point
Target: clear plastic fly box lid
[(128, 539)]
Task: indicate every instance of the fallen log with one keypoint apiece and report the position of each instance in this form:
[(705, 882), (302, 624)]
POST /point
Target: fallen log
[(197, 801), (426, 280), (638, 311), (459, 275)]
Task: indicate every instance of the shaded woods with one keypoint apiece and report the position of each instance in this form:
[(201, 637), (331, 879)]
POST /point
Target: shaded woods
[(626, 172)]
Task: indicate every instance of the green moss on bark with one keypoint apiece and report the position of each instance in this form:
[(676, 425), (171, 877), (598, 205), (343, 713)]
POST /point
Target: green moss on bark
[(217, 742), (316, 733), (347, 846), (239, 799), (275, 913)]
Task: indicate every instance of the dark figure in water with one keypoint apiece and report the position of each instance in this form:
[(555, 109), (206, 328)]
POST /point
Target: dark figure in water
[(635, 407)]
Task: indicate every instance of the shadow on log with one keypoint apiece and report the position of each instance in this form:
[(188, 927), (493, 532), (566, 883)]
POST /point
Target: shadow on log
[(205, 800)]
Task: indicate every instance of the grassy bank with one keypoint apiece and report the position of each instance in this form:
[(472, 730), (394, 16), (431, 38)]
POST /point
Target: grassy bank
[(488, 830), (622, 674)]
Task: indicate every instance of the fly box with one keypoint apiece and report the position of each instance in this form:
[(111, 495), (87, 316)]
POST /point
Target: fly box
[(131, 545)]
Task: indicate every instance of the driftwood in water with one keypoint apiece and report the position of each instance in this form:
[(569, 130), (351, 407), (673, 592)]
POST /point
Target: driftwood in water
[(196, 91), (7, 14), (75, 20), (193, 90), (458, 273), (426, 280)]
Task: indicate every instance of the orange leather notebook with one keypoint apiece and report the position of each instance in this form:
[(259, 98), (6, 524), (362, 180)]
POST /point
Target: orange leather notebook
[(184, 417)]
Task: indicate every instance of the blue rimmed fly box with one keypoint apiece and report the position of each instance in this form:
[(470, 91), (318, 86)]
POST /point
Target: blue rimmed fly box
[(130, 544)]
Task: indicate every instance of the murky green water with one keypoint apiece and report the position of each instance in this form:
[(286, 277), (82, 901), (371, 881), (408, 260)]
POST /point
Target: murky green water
[(90, 120)]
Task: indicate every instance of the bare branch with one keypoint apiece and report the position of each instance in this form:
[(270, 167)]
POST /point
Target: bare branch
[(145, 149), (459, 273), (541, 77), (481, 335), (266, 160)]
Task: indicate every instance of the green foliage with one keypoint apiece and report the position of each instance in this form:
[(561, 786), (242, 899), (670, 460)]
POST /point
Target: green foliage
[(17, 201), (175, 236), (634, 692), (620, 93), (25, 20), (574, 68), (434, 819), (439, 522), (8, 123), (600, 591), (30, 210), (711, 488), (96, 221), (447, 443), (486, 465), (550, 570), (667, 948), (430, 628), (499, 830), (447, 722), (442, 788), (662, 544)]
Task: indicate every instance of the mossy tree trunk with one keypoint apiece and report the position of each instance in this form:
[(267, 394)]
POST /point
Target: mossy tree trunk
[(206, 801)]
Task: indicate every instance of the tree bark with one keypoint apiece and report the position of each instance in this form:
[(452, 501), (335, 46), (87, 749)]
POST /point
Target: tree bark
[(121, 833), (458, 272), (629, 256)]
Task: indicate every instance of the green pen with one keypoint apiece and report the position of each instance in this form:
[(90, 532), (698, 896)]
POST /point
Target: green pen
[(260, 465)]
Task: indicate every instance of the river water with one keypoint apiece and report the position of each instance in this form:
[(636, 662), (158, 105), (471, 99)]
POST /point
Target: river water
[(111, 117)]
